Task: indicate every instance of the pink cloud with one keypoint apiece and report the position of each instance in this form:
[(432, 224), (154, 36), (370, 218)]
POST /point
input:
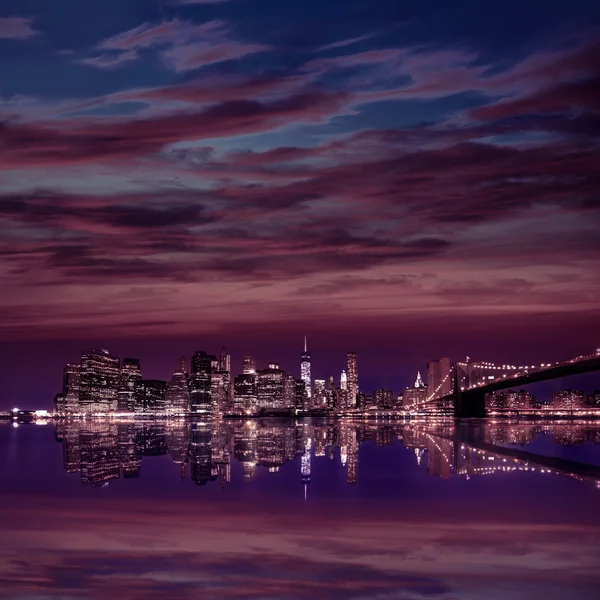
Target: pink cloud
[(16, 28)]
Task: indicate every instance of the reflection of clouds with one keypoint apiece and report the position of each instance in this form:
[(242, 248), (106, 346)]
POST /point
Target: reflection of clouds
[(169, 551)]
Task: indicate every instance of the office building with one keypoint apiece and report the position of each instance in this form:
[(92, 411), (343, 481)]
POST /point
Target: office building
[(71, 387), (219, 390), (353, 388), (383, 399), (302, 401), (151, 396), (568, 400), (319, 396), (200, 383), (99, 382), (129, 375), (177, 396), (416, 395), (270, 388), (244, 393), (305, 369)]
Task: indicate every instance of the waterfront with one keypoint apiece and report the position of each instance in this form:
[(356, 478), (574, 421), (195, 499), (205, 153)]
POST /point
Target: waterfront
[(286, 509)]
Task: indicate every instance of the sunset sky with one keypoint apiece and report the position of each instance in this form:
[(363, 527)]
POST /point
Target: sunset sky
[(250, 171)]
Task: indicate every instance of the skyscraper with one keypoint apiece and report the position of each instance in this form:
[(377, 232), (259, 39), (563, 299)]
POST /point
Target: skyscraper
[(305, 369), (244, 393), (177, 398), (352, 378), (343, 381), (200, 382), (99, 382), (130, 373), (70, 391), (270, 388)]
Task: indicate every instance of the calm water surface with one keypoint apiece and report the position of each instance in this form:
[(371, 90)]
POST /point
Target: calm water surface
[(292, 510)]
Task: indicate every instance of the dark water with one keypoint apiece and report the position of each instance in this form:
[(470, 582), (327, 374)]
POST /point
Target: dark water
[(307, 510)]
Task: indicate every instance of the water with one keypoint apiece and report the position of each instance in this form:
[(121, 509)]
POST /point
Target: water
[(307, 510)]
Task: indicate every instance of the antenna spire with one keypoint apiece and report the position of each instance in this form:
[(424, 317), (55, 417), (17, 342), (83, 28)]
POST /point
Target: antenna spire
[(305, 346)]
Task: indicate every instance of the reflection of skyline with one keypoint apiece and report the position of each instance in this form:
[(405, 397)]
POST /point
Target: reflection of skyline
[(105, 451)]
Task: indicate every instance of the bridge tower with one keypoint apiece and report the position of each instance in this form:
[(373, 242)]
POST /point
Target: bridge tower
[(467, 403)]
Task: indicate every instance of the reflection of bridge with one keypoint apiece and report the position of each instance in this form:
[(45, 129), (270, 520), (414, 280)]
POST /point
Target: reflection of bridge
[(469, 401)]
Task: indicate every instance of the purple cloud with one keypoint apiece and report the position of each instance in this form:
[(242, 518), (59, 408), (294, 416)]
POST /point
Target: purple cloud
[(16, 28)]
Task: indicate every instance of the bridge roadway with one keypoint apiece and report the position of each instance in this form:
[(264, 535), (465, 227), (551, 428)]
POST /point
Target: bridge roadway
[(471, 402)]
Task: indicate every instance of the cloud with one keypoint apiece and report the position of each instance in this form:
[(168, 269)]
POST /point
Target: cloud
[(183, 45), (108, 61), (16, 28)]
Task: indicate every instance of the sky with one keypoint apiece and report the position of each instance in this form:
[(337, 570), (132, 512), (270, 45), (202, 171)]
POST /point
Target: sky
[(251, 171)]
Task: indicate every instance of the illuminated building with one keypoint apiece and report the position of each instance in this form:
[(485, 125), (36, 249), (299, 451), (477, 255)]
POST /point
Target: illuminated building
[(520, 400), (59, 405), (99, 382), (383, 399), (342, 399), (289, 391), (270, 388), (130, 373), (244, 393), (495, 401), (224, 360), (301, 397), (414, 396), (439, 378), (568, 399), (330, 394), (594, 398), (305, 369), (249, 367), (150, 396), (71, 388), (200, 383), (343, 381), (319, 397), (352, 379), (219, 392), (177, 396)]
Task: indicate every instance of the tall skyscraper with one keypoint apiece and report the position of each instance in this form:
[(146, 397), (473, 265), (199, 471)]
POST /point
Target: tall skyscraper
[(131, 373), (343, 381), (200, 382), (219, 390), (353, 388), (70, 391), (439, 378), (99, 382), (289, 391), (177, 398), (305, 369), (319, 397)]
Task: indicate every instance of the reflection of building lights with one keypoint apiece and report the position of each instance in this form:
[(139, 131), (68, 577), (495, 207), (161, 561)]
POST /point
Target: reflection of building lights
[(15, 410), (15, 424)]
